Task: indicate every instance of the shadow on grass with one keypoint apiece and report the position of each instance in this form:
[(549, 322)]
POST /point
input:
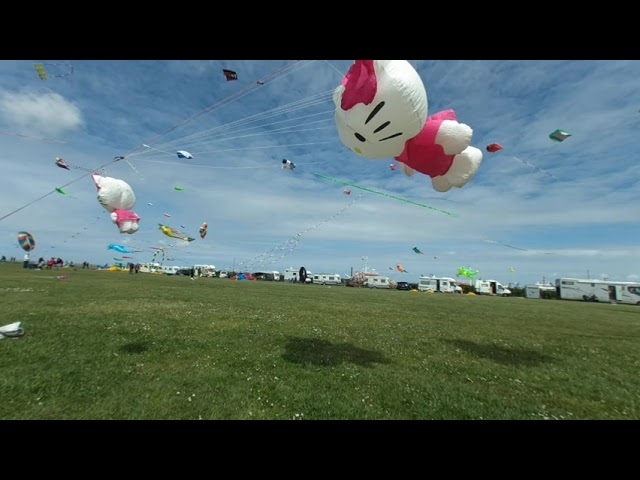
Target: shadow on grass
[(321, 352), (134, 347), (517, 357)]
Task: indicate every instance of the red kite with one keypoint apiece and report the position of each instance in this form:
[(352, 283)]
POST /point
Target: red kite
[(494, 147)]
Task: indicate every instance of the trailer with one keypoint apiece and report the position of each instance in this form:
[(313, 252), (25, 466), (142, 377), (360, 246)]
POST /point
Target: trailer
[(291, 275), (491, 287), (206, 270), (439, 284), (377, 282), (326, 279), (533, 290), (598, 291)]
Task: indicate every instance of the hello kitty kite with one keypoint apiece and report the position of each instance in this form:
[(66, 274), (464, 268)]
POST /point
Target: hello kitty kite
[(117, 198), (381, 112)]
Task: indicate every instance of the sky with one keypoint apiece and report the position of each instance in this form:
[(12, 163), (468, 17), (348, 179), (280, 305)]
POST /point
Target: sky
[(578, 220)]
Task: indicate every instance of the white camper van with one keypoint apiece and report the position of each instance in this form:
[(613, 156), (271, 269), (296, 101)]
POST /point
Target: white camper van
[(168, 270), (291, 275), (149, 267), (533, 290), (598, 290), (207, 270), (491, 287), (326, 278), (377, 282), (439, 284)]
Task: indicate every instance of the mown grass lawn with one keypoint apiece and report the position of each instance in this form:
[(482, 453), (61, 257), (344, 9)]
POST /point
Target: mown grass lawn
[(110, 345)]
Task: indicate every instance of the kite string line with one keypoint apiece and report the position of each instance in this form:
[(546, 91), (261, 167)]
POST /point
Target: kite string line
[(269, 132), (297, 105), (216, 105), (42, 139), (229, 168), (295, 240), (385, 195), (335, 68), (281, 73), (281, 130), (536, 167), (313, 98), (253, 148), (213, 107), (54, 190), (220, 130)]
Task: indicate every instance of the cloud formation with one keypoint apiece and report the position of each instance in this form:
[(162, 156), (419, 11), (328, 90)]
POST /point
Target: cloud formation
[(40, 113)]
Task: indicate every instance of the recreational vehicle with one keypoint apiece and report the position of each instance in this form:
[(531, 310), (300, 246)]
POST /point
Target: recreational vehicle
[(598, 291), (206, 270), (149, 267), (439, 284), (377, 282), (326, 279), (168, 270), (291, 275), (491, 287), (533, 290)]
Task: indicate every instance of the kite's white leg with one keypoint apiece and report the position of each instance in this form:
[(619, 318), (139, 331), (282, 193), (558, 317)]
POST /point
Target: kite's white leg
[(464, 167)]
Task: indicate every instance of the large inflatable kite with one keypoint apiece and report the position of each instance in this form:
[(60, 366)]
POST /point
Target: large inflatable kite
[(117, 197), (381, 112)]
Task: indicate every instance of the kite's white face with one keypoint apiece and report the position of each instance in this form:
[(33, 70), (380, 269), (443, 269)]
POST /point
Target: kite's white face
[(380, 106), (115, 194)]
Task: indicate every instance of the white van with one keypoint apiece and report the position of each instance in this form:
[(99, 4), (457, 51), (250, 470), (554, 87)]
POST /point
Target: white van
[(491, 287), (377, 282)]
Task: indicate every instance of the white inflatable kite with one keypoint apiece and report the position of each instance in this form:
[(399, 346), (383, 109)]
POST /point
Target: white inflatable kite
[(381, 112), (117, 197)]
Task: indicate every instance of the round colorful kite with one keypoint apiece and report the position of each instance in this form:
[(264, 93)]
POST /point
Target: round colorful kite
[(26, 241)]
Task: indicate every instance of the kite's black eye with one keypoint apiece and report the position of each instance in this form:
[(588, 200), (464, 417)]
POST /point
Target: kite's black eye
[(360, 137)]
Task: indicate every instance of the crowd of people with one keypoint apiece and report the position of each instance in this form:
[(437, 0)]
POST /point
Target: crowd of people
[(41, 264)]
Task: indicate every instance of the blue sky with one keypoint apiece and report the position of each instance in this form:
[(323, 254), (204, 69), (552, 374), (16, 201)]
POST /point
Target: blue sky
[(586, 217)]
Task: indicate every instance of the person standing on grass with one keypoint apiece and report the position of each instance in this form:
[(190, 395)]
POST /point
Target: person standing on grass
[(25, 262)]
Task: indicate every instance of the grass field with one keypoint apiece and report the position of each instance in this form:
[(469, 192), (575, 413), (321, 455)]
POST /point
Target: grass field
[(110, 345)]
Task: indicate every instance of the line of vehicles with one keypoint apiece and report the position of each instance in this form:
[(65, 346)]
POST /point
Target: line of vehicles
[(565, 288), (373, 281), (201, 270), (426, 283)]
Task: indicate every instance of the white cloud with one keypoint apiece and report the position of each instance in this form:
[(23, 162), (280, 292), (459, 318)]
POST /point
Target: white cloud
[(40, 113)]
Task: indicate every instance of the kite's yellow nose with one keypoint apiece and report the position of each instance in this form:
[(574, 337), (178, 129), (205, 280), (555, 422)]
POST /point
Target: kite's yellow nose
[(358, 151)]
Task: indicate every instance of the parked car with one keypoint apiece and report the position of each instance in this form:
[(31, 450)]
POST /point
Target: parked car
[(403, 286)]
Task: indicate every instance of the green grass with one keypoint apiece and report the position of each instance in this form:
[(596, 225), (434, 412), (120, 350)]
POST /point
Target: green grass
[(110, 345)]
